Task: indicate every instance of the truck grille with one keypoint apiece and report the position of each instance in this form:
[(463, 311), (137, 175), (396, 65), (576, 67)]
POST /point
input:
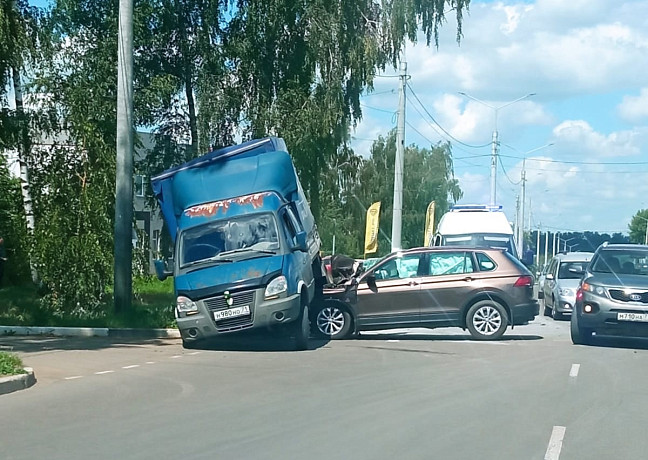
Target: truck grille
[(238, 299), (621, 296)]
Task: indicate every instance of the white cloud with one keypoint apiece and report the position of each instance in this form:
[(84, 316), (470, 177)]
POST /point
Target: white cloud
[(582, 139), (635, 108)]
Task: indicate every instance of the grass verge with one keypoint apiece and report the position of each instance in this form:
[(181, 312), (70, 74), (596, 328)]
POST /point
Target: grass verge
[(10, 364), (152, 307)]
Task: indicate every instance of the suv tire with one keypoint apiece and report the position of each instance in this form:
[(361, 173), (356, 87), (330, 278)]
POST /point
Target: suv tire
[(579, 335), (331, 321), (487, 320)]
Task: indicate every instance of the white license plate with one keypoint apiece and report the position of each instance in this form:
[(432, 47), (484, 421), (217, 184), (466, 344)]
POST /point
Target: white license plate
[(639, 317), (232, 312)]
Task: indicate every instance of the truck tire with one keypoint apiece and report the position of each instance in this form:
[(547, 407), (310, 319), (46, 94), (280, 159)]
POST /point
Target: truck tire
[(302, 330)]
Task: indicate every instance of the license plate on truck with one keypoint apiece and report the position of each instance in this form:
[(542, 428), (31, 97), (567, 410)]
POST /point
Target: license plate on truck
[(639, 317), (232, 312)]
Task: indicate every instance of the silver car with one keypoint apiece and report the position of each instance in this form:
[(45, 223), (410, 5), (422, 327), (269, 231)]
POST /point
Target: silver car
[(561, 282)]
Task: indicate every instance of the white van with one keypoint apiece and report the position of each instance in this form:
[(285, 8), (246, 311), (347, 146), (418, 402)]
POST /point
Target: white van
[(476, 225)]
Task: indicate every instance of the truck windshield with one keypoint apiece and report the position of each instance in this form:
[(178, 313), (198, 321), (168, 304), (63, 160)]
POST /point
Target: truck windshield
[(251, 233), (483, 240)]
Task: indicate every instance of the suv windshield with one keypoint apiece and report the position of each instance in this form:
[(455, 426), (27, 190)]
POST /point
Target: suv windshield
[(632, 262), (256, 232)]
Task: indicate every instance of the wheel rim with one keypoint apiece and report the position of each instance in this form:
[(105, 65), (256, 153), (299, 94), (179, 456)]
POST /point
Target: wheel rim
[(487, 320), (330, 320)]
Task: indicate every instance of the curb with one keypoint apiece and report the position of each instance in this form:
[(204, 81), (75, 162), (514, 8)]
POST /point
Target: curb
[(17, 382), (90, 332)]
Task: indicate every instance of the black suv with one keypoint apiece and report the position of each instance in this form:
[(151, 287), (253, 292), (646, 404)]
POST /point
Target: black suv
[(612, 299)]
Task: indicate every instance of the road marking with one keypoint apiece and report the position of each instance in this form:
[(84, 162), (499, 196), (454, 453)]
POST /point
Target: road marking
[(555, 443), (132, 366), (176, 356), (74, 377), (104, 372), (150, 362), (393, 341), (573, 373), (193, 353)]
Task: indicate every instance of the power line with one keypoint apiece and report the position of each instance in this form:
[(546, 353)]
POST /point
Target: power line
[(441, 127), (506, 175), (602, 163), (377, 109)]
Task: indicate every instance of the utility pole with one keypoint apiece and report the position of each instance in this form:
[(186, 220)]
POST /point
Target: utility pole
[(518, 242), (399, 164), (546, 254), (124, 180), (495, 142), (523, 199), (538, 248)]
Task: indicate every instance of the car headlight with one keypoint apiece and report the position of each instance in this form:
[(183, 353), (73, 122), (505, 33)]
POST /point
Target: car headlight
[(185, 305), (566, 292), (594, 289), (277, 286)]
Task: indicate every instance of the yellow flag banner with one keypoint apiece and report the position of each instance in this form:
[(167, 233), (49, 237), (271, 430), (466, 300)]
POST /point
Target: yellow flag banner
[(429, 224), (371, 233)]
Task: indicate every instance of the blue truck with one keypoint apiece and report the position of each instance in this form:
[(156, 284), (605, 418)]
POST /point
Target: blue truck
[(246, 247)]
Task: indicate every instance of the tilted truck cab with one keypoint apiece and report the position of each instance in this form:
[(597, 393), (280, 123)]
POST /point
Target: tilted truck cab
[(246, 248)]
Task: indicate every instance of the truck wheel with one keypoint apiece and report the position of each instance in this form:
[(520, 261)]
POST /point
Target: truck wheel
[(332, 322), (487, 320), (302, 330)]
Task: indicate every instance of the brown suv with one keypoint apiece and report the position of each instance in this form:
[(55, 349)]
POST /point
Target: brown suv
[(481, 289)]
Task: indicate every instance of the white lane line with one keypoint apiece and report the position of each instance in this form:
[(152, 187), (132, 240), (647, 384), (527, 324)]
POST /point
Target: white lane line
[(555, 443), (176, 356), (104, 372), (74, 377), (150, 362), (193, 353), (393, 341), (132, 366), (573, 373)]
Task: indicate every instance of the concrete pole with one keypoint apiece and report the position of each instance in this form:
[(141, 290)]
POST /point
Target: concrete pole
[(124, 180), (522, 200), (493, 169), (538, 248), (399, 164), (546, 251)]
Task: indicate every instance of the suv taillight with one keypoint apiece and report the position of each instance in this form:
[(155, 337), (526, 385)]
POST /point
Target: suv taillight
[(524, 281)]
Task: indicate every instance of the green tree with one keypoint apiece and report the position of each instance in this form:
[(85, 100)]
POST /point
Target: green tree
[(638, 227)]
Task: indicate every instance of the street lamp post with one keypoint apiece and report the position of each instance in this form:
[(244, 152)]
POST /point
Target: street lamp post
[(495, 141)]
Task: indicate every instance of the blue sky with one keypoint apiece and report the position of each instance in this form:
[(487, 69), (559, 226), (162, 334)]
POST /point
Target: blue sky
[(584, 59)]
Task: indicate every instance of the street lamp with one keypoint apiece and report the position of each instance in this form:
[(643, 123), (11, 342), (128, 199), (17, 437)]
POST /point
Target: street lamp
[(495, 141)]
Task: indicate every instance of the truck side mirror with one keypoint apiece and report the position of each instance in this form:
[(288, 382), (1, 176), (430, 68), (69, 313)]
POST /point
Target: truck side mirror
[(300, 242), (161, 270)]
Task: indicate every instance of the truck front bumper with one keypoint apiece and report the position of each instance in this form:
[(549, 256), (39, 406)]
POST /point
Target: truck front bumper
[(263, 314)]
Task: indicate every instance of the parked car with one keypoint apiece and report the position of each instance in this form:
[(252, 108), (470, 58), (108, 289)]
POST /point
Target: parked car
[(612, 298), (561, 281), (483, 290)]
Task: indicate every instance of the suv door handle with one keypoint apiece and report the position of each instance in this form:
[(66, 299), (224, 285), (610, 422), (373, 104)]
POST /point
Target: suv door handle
[(468, 278), (413, 283)]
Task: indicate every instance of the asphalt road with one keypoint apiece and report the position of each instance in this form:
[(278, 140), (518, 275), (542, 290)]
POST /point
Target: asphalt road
[(407, 394)]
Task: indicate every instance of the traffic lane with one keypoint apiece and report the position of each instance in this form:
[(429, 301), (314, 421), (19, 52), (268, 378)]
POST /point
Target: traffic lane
[(58, 358), (358, 398)]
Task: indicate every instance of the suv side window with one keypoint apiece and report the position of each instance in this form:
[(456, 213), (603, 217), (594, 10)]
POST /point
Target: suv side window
[(485, 263), (450, 263), (403, 267)]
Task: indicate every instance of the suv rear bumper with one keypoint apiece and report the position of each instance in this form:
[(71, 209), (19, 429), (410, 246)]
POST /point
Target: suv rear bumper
[(522, 314)]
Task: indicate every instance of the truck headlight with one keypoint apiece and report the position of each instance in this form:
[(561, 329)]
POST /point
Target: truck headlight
[(276, 287), (185, 305)]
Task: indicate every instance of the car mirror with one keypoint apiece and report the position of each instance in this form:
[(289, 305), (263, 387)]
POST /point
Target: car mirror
[(161, 269), (371, 282), (549, 276), (300, 242)]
